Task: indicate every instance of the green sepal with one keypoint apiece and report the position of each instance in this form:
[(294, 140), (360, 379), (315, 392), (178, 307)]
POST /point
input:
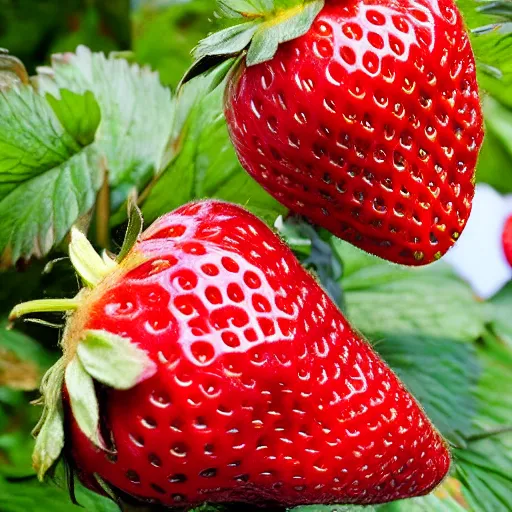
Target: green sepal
[(87, 262), (134, 229), (113, 360), (49, 431), (229, 41), (289, 25), (106, 488), (83, 400), (267, 24)]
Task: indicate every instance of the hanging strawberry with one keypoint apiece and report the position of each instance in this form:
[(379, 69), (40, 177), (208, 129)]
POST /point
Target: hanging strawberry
[(205, 364), (362, 115)]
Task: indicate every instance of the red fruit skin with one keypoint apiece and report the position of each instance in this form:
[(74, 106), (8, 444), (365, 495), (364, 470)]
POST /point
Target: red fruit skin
[(507, 239), (263, 392), (369, 125)]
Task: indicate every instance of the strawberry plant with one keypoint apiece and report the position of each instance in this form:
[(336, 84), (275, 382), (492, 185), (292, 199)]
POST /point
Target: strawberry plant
[(184, 293)]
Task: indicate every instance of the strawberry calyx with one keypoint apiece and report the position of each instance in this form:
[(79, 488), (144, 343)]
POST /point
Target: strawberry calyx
[(89, 356), (260, 27)]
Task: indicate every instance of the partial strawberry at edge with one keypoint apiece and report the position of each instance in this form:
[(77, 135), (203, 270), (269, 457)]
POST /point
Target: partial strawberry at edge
[(369, 125), (262, 391), (507, 239)]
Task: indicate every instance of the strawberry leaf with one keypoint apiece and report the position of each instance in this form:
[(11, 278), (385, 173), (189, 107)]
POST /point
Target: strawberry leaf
[(484, 464), (384, 298), (113, 360), (84, 402), (495, 160), (66, 106), (136, 113), (499, 310), (438, 501), (204, 162), (490, 23), (441, 373), (29, 495), (41, 164), (12, 71)]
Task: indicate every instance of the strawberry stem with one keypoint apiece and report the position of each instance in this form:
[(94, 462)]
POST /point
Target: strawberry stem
[(43, 306), (103, 214), (489, 433)]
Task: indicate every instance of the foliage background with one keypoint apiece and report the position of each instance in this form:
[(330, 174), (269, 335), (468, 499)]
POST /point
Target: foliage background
[(452, 350)]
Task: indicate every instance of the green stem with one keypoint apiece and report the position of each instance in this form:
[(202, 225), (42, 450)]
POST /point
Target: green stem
[(43, 306), (489, 433), (103, 214)]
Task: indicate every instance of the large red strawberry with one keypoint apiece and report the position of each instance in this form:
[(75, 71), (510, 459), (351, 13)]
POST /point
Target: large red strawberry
[(369, 124), (241, 380)]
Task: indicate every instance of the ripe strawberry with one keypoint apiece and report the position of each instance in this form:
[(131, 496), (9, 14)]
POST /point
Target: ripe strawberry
[(256, 389), (507, 239), (369, 125)]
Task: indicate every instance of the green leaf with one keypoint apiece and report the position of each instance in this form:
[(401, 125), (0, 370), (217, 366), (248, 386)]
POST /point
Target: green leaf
[(40, 164), (495, 386), (79, 114), (485, 471), (32, 496), (136, 113), (83, 400), (431, 503), (499, 312), (495, 161), (491, 41), (441, 373), (484, 465), (12, 71), (205, 163), (113, 360), (499, 122), (385, 298)]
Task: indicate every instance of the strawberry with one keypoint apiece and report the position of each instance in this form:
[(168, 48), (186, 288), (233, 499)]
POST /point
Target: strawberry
[(250, 385), (507, 239), (369, 124)]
